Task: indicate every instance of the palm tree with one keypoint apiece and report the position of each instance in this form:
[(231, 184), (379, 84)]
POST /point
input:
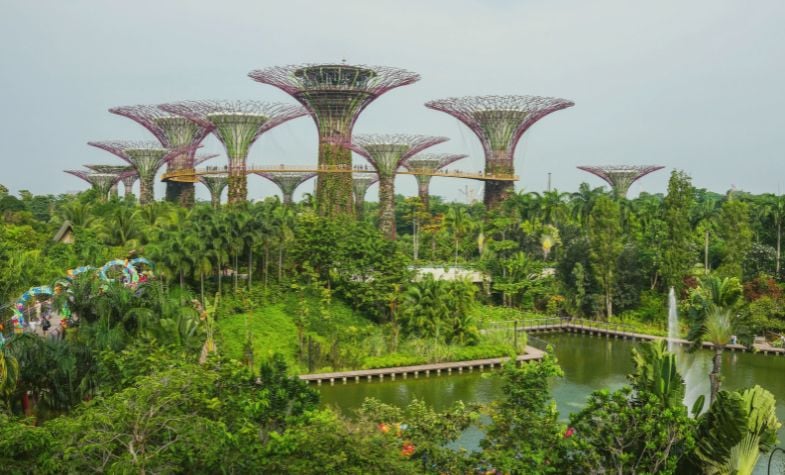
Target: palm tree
[(582, 201), (773, 207), (714, 320), (458, 223)]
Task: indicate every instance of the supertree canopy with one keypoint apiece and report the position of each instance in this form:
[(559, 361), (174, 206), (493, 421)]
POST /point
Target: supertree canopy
[(288, 182), (335, 95), (387, 153), (360, 184), (215, 184), (499, 122), (146, 157), (429, 163), (101, 182), (172, 131), (237, 124), (621, 177)]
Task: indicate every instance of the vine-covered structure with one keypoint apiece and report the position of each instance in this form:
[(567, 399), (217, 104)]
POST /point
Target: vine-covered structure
[(335, 95), (237, 124), (288, 182), (215, 185), (102, 183), (386, 153), (172, 131), (360, 184), (429, 162), (620, 177), (120, 171), (499, 122), (146, 158)]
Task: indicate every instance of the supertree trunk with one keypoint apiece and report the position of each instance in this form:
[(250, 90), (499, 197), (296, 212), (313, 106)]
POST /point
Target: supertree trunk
[(387, 205), (423, 191), (496, 191), (183, 194), (215, 198), (359, 206), (334, 190), (146, 185), (238, 182)]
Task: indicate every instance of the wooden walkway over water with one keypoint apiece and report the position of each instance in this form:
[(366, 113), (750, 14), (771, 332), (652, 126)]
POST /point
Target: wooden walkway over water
[(621, 331), (532, 354)]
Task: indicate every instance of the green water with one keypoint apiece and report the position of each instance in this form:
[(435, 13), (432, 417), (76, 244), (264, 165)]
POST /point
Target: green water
[(589, 363)]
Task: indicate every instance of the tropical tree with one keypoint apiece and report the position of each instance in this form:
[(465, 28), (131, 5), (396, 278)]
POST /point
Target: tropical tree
[(606, 241), (677, 243)]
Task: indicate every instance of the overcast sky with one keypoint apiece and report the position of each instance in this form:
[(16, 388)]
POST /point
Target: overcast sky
[(697, 85)]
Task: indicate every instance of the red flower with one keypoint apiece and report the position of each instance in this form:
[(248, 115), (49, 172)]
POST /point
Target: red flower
[(407, 450), (569, 432)]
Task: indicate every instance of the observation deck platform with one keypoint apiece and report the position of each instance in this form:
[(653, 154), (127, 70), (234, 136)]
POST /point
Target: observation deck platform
[(190, 175)]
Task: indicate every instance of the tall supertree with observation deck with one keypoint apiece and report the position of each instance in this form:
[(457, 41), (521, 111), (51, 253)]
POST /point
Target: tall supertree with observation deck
[(288, 182), (215, 183), (237, 124), (335, 95), (172, 131), (146, 158), (100, 182), (499, 122), (621, 177), (429, 163), (387, 153), (360, 184)]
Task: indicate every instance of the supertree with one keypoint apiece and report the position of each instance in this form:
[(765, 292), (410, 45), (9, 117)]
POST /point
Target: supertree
[(172, 131), (499, 122), (621, 177), (215, 184), (335, 95), (237, 124), (360, 184), (100, 182), (287, 182), (386, 153), (429, 163), (146, 158), (118, 170)]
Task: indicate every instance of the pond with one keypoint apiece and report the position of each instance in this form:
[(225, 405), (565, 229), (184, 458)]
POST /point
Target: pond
[(589, 363)]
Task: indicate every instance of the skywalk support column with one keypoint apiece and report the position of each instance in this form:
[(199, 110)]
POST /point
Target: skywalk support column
[(171, 131), (287, 182), (499, 122), (621, 177), (428, 163), (146, 158), (237, 124), (335, 95), (387, 153)]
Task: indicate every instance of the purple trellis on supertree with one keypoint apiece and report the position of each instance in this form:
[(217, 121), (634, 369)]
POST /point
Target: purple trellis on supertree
[(172, 131), (215, 183), (335, 95), (237, 124), (429, 163), (621, 177), (146, 158), (360, 184), (386, 153), (100, 182), (287, 182), (499, 122)]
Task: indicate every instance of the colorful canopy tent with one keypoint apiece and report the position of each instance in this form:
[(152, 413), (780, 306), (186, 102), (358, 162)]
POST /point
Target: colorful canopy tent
[(19, 316)]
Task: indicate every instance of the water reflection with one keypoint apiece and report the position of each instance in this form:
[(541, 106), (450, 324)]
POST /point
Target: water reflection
[(589, 363)]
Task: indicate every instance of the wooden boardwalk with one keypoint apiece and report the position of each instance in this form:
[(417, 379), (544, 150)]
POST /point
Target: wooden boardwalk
[(589, 327), (532, 354)]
